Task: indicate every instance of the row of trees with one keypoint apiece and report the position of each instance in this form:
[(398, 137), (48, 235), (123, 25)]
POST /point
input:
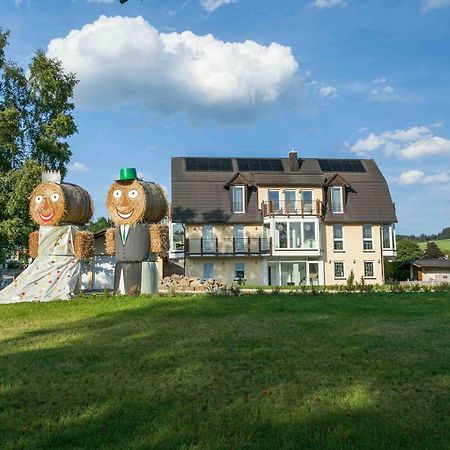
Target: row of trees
[(35, 122), (408, 250), (444, 234)]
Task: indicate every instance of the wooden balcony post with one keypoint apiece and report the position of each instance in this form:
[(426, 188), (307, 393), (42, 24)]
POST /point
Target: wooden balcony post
[(248, 245), (217, 246), (302, 209), (186, 247), (270, 245), (234, 246), (201, 246), (271, 208), (259, 245)]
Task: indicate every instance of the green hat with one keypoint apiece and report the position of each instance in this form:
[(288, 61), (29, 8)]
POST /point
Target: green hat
[(127, 174)]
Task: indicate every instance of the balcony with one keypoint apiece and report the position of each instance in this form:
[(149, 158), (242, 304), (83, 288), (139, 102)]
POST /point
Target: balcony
[(228, 246), (292, 208)]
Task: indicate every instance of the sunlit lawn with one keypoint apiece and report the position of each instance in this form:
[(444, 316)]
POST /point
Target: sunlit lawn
[(267, 372)]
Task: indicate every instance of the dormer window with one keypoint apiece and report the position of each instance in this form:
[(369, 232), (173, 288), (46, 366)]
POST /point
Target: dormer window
[(238, 194), (337, 199)]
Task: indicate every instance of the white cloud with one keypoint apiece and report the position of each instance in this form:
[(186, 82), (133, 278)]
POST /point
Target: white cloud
[(328, 91), (122, 60), (419, 177), (212, 5), (412, 143), (78, 167), (429, 5), (322, 4), (381, 91)]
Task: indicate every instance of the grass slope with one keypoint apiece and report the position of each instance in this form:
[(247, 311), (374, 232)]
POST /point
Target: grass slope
[(443, 244), (270, 372)]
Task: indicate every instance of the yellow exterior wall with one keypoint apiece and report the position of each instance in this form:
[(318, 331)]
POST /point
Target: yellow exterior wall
[(353, 255), (224, 269)]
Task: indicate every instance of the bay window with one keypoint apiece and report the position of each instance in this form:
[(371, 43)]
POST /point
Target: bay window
[(388, 237), (295, 235)]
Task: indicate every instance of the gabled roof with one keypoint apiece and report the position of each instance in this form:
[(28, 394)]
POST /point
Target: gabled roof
[(337, 178), (432, 263), (238, 179), (200, 196)]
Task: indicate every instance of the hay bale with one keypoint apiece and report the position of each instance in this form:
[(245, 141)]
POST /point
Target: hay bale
[(52, 204), (110, 241), (33, 244), (84, 245), (159, 239), (149, 205)]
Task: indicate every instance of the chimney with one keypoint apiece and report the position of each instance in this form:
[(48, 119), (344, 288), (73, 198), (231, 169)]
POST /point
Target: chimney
[(293, 161)]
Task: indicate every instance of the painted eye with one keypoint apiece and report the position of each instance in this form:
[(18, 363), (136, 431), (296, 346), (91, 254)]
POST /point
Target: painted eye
[(39, 199), (133, 193), (55, 197), (117, 193)]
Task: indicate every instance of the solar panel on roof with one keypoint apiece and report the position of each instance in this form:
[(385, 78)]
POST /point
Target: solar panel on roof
[(260, 165), (341, 165), (209, 165)]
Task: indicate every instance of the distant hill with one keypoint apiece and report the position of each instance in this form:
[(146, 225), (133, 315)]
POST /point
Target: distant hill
[(443, 244), (444, 235)]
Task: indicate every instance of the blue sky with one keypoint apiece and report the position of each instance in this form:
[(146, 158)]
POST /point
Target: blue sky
[(330, 78)]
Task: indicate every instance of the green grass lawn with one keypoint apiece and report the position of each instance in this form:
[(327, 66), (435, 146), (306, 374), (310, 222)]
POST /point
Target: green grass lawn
[(443, 244), (268, 372)]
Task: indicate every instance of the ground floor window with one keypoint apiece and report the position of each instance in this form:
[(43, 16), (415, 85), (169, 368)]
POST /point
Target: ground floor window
[(208, 270), (369, 269), (294, 273), (239, 271), (339, 269)]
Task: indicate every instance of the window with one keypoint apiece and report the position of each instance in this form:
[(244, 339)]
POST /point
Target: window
[(369, 269), (238, 199), (339, 270), (307, 200), (367, 238), (274, 200), (239, 271), (295, 235), (239, 240), (208, 271), (309, 234), (177, 237), (289, 201), (337, 204), (388, 237), (338, 238), (209, 243)]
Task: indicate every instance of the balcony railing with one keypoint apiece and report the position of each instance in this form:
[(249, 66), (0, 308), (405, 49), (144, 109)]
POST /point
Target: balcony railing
[(292, 208), (228, 246)]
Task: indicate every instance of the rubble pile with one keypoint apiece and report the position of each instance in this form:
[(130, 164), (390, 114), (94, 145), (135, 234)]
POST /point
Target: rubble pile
[(181, 283)]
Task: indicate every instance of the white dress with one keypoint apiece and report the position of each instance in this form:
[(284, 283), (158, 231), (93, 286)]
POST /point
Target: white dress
[(53, 275)]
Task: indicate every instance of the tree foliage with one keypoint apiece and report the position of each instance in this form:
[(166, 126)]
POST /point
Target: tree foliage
[(433, 251), (35, 122), (100, 224), (408, 250)]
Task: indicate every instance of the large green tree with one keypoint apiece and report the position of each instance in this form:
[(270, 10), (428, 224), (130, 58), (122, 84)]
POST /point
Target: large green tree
[(408, 250), (35, 122), (433, 251)]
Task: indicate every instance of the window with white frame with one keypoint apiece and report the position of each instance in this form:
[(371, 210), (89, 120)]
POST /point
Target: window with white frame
[(369, 269), (339, 270), (239, 271), (388, 237), (238, 193), (367, 237), (307, 201), (177, 237), (208, 270), (337, 199), (338, 238), (239, 240), (295, 235)]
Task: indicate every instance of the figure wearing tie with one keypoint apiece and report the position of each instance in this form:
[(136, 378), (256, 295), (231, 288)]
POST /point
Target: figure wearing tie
[(135, 206)]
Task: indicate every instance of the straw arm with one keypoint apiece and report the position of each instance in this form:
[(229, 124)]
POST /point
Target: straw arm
[(33, 244), (159, 239), (110, 241), (84, 245)]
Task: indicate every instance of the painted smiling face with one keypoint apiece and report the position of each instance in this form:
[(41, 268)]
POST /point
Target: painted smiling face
[(47, 204), (126, 202)]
